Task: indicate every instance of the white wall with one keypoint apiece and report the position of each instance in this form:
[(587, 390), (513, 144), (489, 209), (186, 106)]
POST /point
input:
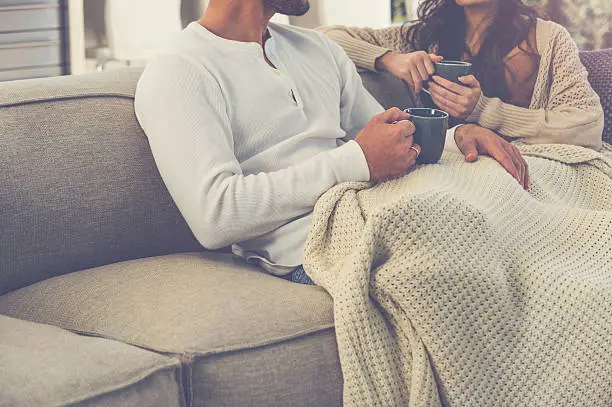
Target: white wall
[(363, 13), (367, 13), (94, 19), (370, 13)]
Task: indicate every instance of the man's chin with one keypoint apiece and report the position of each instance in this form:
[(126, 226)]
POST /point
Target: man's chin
[(289, 7), (296, 12)]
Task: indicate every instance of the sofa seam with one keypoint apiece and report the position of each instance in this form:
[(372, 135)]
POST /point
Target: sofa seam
[(139, 378), (214, 351), (118, 95), (243, 346), (188, 358)]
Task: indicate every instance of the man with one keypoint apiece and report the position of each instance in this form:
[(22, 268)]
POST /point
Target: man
[(250, 123)]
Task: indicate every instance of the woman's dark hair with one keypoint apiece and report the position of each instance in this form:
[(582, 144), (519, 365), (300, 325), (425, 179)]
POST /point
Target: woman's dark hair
[(441, 24)]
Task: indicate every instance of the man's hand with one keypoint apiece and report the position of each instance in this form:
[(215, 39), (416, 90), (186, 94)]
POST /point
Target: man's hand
[(414, 68), (473, 140), (459, 101), (386, 142)]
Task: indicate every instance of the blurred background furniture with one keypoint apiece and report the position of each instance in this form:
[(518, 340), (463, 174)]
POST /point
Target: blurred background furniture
[(138, 39), (32, 39), (112, 38), (59, 37), (53, 37)]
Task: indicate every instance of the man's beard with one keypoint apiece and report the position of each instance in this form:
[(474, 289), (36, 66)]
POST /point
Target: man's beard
[(289, 7)]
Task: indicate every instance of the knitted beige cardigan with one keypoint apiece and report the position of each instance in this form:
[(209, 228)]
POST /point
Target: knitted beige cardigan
[(563, 109)]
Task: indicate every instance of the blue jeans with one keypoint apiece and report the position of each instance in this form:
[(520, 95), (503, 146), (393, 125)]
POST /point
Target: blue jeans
[(299, 276)]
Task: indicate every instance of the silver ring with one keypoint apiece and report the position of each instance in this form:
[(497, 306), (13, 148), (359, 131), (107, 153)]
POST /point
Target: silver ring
[(416, 150)]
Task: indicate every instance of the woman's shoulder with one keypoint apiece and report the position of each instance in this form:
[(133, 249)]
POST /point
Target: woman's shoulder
[(551, 35), (549, 25), (548, 30)]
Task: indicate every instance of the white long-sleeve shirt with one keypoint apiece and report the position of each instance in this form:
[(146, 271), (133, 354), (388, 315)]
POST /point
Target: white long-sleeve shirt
[(245, 149)]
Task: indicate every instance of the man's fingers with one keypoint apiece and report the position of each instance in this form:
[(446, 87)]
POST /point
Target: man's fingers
[(392, 115), (413, 155), (527, 179), (406, 128), (521, 164), (516, 160), (524, 166), (503, 157), (469, 148), (436, 58)]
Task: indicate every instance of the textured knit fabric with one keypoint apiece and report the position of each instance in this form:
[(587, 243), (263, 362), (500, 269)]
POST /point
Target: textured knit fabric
[(246, 149), (599, 65), (454, 286), (564, 108)]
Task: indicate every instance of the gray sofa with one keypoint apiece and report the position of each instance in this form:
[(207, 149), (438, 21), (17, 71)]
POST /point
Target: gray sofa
[(106, 298)]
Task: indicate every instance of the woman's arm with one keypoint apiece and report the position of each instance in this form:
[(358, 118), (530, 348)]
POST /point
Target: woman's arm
[(572, 113), (386, 49), (365, 45)]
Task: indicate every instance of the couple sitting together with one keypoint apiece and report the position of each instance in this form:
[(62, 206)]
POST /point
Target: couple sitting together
[(452, 282)]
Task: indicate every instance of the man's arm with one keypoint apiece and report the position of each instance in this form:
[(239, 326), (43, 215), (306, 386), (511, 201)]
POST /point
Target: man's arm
[(357, 106), (183, 112)]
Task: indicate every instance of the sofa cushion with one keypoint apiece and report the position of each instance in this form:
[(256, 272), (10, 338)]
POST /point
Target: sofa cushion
[(41, 365), (301, 372), (599, 65), (78, 184), (203, 307)]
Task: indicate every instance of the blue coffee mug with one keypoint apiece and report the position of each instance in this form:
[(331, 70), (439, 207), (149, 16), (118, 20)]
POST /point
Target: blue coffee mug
[(430, 134)]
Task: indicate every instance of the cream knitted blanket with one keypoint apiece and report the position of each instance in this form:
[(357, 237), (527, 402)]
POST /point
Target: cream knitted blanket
[(453, 286)]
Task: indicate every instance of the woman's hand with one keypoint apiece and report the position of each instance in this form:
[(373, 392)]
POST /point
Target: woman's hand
[(414, 68), (457, 100), (473, 139)]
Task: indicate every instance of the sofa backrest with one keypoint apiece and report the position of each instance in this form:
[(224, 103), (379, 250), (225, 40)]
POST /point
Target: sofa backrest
[(599, 65), (78, 185)]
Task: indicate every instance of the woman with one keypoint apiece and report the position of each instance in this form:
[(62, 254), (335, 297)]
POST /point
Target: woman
[(528, 81)]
